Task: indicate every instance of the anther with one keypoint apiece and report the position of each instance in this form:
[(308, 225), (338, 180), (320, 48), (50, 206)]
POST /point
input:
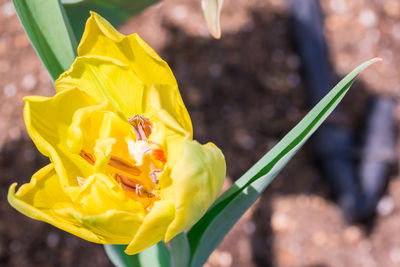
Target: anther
[(123, 165), (88, 157), (130, 185), (142, 127), (115, 162)]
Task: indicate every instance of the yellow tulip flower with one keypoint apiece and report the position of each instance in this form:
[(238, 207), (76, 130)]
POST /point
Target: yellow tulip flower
[(124, 167)]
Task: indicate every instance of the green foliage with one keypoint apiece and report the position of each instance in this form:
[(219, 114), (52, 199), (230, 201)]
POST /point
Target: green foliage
[(180, 250), (155, 256), (205, 236), (48, 29), (118, 257)]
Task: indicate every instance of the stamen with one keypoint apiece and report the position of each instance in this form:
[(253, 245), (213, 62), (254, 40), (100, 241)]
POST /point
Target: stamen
[(153, 174), (123, 165), (130, 185), (88, 157), (138, 189), (115, 162), (80, 180), (128, 172), (142, 127)]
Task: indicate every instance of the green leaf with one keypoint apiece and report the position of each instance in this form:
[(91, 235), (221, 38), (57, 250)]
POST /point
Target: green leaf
[(48, 29), (155, 256), (180, 250), (115, 11), (206, 234), (118, 257)]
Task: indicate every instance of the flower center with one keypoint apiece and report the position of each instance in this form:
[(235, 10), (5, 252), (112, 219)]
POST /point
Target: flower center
[(137, 175)]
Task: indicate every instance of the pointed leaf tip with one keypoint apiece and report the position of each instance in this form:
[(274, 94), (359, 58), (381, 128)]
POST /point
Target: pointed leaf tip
[(212, 14), (209, 231)]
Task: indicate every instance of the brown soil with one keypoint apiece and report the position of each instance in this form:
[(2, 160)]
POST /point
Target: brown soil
[(243, 92)]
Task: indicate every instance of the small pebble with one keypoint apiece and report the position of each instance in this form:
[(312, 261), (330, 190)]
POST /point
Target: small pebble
[(10, 90), (249, 227), (8, 9), (15, 246), (52, 240), (293, 79), (367, 18), (14, 133), (180, 12), (29, 82), (352, 234), (385, 206), (29, 154), (215, 70), (395, 255), (338, 6), (244, 139), (293, 62), (224, 259), (279, 221)]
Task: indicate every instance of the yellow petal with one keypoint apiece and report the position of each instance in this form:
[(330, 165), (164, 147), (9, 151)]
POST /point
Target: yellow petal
[(99, 193), (154, 227), (83, 131), (166, 105), (197, 178), (37, 198), (102, 207), (96, 122), (44, 199), (105, 79), (47, 121), (100, 38)]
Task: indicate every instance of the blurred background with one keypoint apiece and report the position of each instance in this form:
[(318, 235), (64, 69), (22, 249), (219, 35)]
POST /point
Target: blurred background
[(244, 92)]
